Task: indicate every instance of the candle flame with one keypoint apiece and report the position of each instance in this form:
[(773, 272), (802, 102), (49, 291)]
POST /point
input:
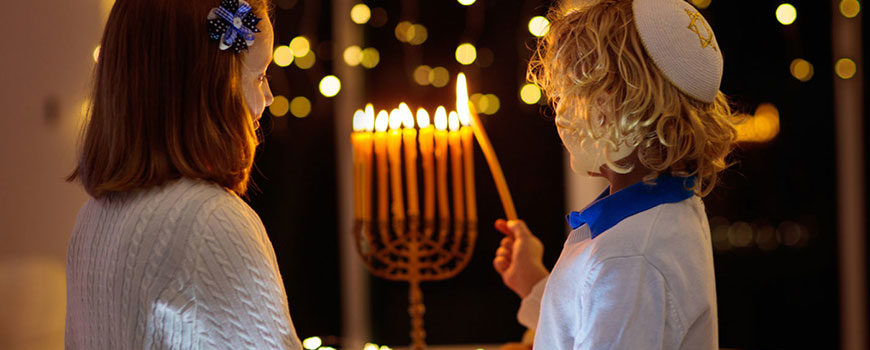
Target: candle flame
[(422, 118), (407, 118), (369, 121), (382, 121), (441, 118), (453, 121), (462, 100), (358, 121), (395, 119)]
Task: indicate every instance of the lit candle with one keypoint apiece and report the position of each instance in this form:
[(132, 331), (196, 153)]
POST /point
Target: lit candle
[(456, 167), (441, 160), (409, 138), (467, 136), (394, 149), (489, 153), (357, 163), (381, 149), (426, 139), (366, 144)]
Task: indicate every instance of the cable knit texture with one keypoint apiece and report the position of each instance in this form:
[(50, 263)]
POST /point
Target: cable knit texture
[(187, 265)]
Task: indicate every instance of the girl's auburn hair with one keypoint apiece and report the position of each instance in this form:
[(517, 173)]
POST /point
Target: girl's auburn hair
[(595, 51), (166, 102)]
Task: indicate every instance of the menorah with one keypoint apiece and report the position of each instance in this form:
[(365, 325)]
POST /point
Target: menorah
[(395, 246)]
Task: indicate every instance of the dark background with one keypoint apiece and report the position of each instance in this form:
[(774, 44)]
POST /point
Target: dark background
[(780, 296)]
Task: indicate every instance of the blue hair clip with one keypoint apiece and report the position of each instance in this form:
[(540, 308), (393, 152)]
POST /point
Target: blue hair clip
[(233, 24)]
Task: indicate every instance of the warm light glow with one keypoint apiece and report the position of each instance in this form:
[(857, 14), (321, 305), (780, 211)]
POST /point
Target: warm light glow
[(761, 127), (786, 14), (530, 94), (358, 120), (801, 69), (850, 8), (486, 104), (466, 2), (845, 68), (417, 34), (370, 346), (402, 31), (539, 26), (441, 118), (466, 53), (453, 121), (406, 115), (360, 13), (439, 77), (283, 56), (462, 100), (352, 55), (384, 347), (370, 118), (312, 343), (330, 86), (395, 119), (370, 57), (382, 121), (300, 46), (300, 107), (422, 118), (306, 61), (421, 75), (96, 53), (280, 106), (701, 4)]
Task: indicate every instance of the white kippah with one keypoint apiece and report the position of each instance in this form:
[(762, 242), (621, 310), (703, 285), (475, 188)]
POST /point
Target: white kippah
[(682, 45), (680, 42)]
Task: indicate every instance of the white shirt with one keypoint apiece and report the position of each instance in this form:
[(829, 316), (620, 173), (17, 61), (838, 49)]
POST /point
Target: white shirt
[(646, 282), (186, 265)]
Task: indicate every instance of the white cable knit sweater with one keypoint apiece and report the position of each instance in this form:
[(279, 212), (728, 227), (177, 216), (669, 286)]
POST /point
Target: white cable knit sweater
[(186, 265)]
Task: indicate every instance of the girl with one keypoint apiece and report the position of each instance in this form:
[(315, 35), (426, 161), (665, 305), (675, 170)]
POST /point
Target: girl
[(635, 87), (166, 254)]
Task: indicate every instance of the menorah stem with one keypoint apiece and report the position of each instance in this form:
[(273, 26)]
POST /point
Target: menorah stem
[(416, 309)]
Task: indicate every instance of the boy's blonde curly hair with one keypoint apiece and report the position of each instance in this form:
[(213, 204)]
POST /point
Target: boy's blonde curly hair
[(594, 52)]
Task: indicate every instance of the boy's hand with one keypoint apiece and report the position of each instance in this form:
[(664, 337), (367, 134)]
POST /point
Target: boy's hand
[(519, 259)]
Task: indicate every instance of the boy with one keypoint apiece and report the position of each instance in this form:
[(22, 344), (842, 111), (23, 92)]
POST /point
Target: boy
[(635, 87)]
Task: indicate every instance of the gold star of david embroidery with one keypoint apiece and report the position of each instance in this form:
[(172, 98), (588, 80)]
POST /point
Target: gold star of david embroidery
[(696, 18)]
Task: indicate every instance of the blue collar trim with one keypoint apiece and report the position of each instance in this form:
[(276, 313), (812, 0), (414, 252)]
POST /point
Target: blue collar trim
[(607, 211)]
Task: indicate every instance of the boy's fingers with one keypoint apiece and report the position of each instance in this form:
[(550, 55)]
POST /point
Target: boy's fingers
[(518, 227), (500, 264), (507, 242), (503, 252), (502, 226)]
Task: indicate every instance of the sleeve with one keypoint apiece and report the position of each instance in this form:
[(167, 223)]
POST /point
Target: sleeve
[(625, 304), (530, 307), (241, 299)]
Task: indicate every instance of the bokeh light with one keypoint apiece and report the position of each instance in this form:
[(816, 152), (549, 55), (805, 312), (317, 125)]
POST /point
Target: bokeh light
[(539, 26), (402, 31), (312, 343), (352, 55), (283, 56), (850, 8), (96, 53), (300, 46), (300, 107), (370, 57), (740, 234), (370, 346), (845, 68), (701, 4), (439, 77), (330, 86), (360, 13), (801, 69), (280, 106), (761, 127), (421, 75), (306, 61), (485, 103), (466, 53), (530, 94), (466, 2), (786, 13), (417, 34)]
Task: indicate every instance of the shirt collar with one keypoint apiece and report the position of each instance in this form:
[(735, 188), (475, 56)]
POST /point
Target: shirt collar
[(607, 211)]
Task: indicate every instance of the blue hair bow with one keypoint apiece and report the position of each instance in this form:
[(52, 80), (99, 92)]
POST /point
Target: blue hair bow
[(233, 24)]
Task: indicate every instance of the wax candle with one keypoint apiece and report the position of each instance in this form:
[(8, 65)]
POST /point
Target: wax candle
[(357, 163), (456, 167), (426, 139), (366, 144), (394, 149), (441, 160), (467, 136), (409, 138), (381, 150)]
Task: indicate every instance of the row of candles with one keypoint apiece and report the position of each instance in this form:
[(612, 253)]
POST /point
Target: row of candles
[(378, 139)]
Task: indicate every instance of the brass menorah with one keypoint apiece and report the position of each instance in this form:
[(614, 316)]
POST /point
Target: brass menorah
[(402, 245)]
